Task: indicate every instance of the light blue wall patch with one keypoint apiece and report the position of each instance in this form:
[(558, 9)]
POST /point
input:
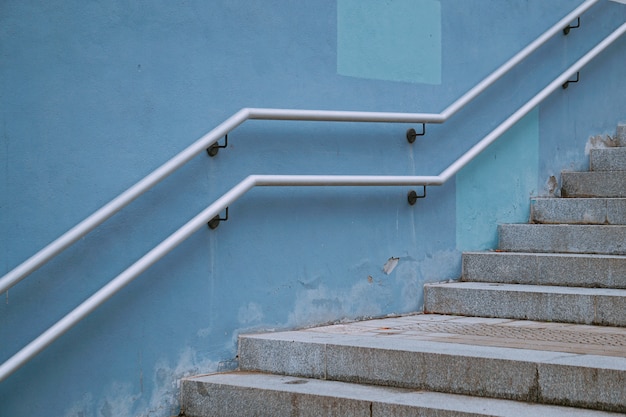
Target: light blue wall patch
[(393, 40), (496, 186)]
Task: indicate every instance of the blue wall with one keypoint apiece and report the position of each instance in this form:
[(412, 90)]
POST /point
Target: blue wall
[(95, 95)]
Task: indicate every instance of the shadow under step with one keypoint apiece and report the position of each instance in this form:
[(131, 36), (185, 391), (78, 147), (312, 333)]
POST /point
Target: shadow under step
[(593, 184), (243, 394), (572, 270), (600, 306), (563, 238), (547, 363), (578, 210)]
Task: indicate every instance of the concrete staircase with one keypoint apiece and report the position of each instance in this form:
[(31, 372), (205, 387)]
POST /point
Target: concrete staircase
[(537, 327)]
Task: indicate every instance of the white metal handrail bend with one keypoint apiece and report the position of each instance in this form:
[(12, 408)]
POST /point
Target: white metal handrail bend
[(252, 181), (115, 205)]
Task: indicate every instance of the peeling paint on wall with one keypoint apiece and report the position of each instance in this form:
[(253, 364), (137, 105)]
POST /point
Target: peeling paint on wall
[(250, 313), (121, 399), (412, 274), (324, 305), (390, 265)]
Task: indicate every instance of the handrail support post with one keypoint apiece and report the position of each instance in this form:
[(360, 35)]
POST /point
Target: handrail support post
[(567, 83), (567, 29), (412, 134), (215, 148), (413, 196), (215, 221)]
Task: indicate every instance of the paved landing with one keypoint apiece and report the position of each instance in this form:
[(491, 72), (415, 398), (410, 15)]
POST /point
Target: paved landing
[(522, 334)]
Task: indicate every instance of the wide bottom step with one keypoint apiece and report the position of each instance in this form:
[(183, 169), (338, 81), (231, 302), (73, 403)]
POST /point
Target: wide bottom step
[(545, 363), (256, 394)]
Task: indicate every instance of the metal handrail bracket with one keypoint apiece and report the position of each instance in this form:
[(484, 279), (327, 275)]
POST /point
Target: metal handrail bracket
[(81, 229)]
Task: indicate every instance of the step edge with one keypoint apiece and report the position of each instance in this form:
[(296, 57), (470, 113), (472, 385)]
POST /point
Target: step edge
[(411, 398)]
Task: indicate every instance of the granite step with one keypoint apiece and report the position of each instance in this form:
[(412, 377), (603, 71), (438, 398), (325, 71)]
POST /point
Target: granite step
[(519, 360), (593, 184), (599, 306), (578, 210), (571, 270), (607, 159), (563, 238), (243, 394)]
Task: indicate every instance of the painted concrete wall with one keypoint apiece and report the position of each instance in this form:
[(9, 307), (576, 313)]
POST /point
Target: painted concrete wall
[(95, 95)]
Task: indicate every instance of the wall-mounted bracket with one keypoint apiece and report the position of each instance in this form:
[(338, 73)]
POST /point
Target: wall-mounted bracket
[(215, 221), (566, 83), (570, 27), (215, 148), (412, 196), (411, 134)]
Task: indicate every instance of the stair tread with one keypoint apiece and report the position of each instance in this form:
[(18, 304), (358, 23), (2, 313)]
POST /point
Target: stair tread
[(552, 289), (380, 401), (471, 336), (549, 254)]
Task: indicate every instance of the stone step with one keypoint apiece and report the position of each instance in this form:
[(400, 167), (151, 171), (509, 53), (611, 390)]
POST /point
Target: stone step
[(548, 363), (600, 306), (578, 210), (563, 238), (574, 270), (607, 159), (593, 184), (243, 394)]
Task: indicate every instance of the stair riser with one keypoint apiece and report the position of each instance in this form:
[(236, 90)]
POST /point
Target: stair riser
[(391, 367), (578, 211), (227, 401), (609, 240), (238, 402), (522, 380), (541, 306), (608, 159), (591, 271), (593, 184), (247, 393)]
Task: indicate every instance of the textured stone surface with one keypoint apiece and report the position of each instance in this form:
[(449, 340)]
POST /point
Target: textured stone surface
[(546, 303), (616, 211), (289, 356), (247, 394), (571, 381), (593, 184), (608, 159), (578, 210), (603, 239), (499, 358), (576, 270)]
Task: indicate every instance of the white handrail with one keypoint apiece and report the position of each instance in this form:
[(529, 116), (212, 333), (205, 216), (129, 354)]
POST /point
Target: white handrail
[(81, 229), (200, 220)]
